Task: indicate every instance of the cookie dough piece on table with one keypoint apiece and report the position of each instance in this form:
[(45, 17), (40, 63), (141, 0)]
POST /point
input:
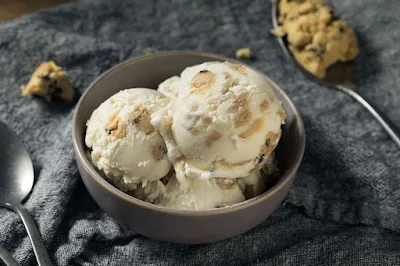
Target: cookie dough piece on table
[(243, 53), (50, 82)]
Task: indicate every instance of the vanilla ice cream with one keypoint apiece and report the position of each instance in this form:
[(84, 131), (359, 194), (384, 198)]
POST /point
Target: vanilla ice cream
[(204, 140), (125, 145), (224, 120), (198, 194), (203, 194), (170, 87)]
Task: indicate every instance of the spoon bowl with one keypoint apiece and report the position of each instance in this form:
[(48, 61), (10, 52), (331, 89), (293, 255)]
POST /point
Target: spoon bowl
[(17, 179), (16, 168), (338, 76)]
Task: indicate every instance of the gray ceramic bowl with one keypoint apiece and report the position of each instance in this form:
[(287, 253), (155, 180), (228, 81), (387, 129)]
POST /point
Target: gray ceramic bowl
[(180, 226)]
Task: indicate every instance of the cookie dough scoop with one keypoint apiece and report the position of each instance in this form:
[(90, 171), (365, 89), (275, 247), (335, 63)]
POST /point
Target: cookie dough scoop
[(337, 75)]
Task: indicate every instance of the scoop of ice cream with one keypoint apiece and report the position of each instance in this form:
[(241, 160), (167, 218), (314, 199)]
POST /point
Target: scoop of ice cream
[(122, 141), (223, 120), (170, 87), (197, 194)]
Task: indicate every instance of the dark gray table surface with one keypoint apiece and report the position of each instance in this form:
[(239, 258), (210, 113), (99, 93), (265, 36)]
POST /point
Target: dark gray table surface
[(344, 207)]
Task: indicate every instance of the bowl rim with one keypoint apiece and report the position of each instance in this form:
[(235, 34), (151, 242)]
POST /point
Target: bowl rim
[(80, 153)]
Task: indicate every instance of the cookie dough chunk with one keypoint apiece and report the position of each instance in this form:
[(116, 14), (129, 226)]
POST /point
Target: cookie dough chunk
[(243, 53), (316, 39), (50, 82)]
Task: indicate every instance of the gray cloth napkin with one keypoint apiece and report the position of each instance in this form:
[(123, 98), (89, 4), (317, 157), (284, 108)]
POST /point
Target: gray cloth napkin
[(344, 206)]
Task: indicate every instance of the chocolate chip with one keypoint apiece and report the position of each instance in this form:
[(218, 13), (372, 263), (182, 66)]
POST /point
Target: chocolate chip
[(53, 90), (164, 180), (45, 77), (204, 71), (260, 158), (316, 49), (267, 142)]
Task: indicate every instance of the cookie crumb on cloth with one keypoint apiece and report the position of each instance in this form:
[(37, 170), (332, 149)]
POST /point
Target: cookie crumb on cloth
[(243, 53)]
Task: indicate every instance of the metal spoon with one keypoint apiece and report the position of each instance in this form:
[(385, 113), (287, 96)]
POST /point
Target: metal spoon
[(338, 76), (17, 178), (6, 257)]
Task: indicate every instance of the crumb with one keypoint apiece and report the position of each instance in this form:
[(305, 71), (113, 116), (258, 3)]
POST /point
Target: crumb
[(243, 53), (50, 82), (147, 51)]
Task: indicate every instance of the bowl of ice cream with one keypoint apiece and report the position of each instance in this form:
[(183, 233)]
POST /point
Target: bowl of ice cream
[(187, 147)]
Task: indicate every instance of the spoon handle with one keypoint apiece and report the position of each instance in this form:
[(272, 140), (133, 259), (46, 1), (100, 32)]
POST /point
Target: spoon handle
[(374, 113), (37, 243), (7, 258)]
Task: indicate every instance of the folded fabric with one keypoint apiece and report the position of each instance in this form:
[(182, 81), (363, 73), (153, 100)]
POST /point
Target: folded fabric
[(349, 178)]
